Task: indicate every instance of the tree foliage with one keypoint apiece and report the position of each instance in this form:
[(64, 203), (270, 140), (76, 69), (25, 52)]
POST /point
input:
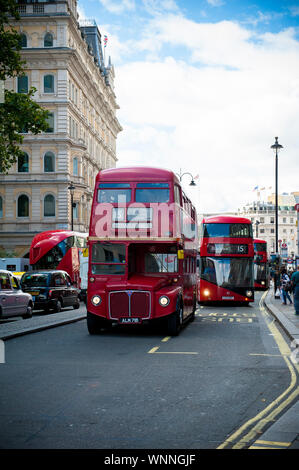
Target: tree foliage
[(18, 111)]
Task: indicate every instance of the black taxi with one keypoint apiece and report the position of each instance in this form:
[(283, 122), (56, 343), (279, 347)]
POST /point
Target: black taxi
[(50, 290)]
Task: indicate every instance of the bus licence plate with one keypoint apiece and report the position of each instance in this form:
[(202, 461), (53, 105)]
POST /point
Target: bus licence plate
[(129, 320), (227, 298)]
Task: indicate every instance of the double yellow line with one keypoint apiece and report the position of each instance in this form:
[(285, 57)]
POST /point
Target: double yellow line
[(255, 426)]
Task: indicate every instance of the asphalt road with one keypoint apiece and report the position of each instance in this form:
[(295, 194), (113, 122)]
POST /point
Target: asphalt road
[(134, 388)]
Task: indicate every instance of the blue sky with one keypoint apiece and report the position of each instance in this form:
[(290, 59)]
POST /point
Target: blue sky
[(206, 86)]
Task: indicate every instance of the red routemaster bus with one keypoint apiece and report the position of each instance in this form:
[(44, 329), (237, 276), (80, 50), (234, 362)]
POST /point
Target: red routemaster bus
[(58, 249), (142, 250), (261, 265), (226, 260)]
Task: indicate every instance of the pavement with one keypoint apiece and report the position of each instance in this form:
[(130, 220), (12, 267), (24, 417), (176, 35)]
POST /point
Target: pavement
[(282, 434)]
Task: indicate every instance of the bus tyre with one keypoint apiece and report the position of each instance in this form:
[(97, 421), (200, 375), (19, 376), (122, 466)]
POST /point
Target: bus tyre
[(175, 321), (77, 305), (94, 324)]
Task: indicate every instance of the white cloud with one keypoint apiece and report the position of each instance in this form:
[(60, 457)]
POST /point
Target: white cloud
[(217, 114), (118, 7)]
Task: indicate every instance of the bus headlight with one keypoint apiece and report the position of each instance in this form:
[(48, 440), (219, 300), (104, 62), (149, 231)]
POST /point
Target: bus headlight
[(164, 301), (263, 283), (248, 293), (206, 292), (96, 300)]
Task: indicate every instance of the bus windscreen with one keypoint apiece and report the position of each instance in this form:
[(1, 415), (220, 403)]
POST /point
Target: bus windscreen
[(227, 230)]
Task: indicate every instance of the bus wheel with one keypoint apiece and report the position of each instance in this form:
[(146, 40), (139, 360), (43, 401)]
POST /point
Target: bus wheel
[(175, 321), (94, 324)]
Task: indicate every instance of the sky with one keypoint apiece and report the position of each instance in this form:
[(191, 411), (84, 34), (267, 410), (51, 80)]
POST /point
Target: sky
[(204, 87)]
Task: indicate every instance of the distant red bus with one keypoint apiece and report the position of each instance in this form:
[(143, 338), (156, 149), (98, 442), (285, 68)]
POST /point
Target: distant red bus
[(142, 250), (226, 260), (261, 265), (58, 249)]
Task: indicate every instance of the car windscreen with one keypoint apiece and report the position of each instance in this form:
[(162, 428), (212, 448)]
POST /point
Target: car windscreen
[(35, 280)]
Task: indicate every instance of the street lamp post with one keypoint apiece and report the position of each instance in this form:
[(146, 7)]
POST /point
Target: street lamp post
[(257, 228), (180, 176), (276, 147), (71, 187)]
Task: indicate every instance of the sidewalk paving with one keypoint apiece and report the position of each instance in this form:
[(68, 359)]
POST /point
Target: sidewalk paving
[(16, 327)]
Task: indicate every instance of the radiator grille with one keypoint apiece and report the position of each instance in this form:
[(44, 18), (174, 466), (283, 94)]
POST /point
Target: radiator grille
[(129, 303)]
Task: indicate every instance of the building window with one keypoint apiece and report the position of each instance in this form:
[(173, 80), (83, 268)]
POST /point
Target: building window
[(49, 206), (49, 84), (1, 207), (271, 220), (48, 40), (75, 166), (284, 220), (272, 230), (50, 121), (23, 206), (23, 40), (49, 162), (23, 84), (23, 163), (75, 210)]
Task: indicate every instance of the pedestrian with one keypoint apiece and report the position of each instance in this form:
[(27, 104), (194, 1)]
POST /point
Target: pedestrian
[(285, 285), (295, 285)]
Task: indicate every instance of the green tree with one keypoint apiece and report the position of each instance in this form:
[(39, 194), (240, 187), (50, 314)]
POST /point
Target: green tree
[(18, 111)]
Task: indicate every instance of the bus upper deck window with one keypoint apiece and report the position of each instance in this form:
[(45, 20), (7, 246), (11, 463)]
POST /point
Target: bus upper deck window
[(152, 192)]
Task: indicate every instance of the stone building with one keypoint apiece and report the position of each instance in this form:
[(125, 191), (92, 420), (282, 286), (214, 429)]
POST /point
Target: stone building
[(262, 215), (64, 62)]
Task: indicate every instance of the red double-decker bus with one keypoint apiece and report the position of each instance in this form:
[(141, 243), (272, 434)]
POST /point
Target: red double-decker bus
[(142, 250), (261, 265), (226, 260), (58, 249)]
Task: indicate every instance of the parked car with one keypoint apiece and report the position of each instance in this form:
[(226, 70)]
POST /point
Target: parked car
[(13, 301), (50, 290)]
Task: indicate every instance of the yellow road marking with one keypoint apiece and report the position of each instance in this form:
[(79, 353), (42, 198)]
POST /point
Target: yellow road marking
[(153, 350), (166, 339), (263, 447), (273, 443), (262, 421), (171, 352)]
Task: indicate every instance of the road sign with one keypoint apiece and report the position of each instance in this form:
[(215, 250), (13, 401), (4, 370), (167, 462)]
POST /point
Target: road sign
[(284, 245)]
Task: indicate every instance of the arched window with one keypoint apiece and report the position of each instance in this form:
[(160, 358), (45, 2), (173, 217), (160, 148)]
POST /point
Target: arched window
[(49, 84), (49, 206), (23, 40), (23, 84), (23, 163), (23, 206), (49, 162), (75, 166), (48, 40), (1, 206)]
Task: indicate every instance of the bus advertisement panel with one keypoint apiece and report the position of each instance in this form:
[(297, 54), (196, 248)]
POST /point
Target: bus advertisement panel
[(226, 260), (142, 250)]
